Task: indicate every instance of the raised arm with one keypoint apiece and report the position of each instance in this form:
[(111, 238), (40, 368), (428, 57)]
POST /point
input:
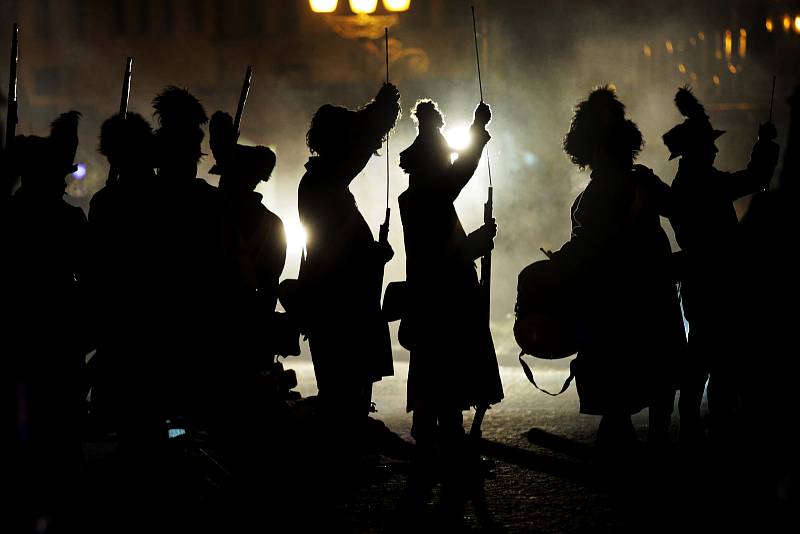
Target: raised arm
[(759, 170), (462, 169)]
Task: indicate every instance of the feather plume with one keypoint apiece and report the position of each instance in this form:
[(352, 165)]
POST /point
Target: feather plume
[(688, 104)]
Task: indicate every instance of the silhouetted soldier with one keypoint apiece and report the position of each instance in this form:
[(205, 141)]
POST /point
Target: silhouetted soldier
[(254, 235), (185, 266), (45, 245), (341, 277), (618, 262), (707, 230), (121, 230), (453, 364), (770, 296)]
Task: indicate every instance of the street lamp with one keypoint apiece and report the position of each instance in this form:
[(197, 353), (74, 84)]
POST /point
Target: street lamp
[(363, 7), (360, 19), (396, 5), (323, 6)]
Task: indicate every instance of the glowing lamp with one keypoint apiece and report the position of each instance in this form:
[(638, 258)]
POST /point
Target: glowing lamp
[(728, 44), (797, 24), (323, 6), (742, 43), (770, 25), (363, 7), (682, 68), (668, 46), (396, 5), (787, 23)]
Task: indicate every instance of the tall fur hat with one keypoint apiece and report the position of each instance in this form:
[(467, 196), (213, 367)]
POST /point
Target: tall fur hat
[(178, 108), (53, 154), (234, 158), (599, 122), (695, 130), (124, 138)]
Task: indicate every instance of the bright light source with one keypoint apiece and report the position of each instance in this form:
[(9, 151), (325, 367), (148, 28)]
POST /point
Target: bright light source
[(647, 51), (295, 235), (715, 79), (728, 44), (787, 23), (458, 136), (797, 24), (396, 5), (682, 68), (323, 6), (363, 6), (742, 42), (770, 26), (732, 68), (668, 46), (80, 172)]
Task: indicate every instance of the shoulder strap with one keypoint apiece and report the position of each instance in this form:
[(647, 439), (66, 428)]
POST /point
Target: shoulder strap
[(529, 374)]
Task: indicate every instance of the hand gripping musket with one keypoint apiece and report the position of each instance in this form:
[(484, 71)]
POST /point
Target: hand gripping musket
[(113, 174), (11, 114), (237, 121), (486, 260)]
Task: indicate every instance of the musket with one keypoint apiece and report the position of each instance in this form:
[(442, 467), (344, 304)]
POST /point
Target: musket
[(237, 121), (772, 97), (383, 231), (113, 173), (11, 111), (486, 260), (11, 115)]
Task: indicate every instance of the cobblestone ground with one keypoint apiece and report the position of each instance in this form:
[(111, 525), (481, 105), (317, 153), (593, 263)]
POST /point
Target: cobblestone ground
[(547, 478), (541, 447)]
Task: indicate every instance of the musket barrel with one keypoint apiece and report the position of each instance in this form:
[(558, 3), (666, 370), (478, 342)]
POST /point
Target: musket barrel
[(237, 121), (11, 115), (126, 87)]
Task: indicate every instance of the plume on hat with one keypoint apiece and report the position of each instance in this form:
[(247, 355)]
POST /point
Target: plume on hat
[(688, 104)]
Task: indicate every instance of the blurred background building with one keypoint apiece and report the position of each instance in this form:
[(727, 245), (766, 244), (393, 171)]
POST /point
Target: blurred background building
[(538, 59)]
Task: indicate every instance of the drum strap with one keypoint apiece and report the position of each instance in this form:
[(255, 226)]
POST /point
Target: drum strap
[(529, 373)]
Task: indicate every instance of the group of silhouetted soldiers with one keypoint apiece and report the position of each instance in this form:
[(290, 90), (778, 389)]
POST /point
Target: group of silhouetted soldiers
[(181, 282)]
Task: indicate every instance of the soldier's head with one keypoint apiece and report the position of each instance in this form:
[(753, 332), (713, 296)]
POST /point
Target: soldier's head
[(600, 136), (179, 136), (247, 166), (128, 143), (427, 116), (694, 138), (43, 162), (429, 153), (330, 130)]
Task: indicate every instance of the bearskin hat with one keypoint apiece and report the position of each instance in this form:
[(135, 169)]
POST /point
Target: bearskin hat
[(599, 122)]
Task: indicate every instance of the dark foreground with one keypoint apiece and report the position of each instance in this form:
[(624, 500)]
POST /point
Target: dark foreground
[(543, 475)]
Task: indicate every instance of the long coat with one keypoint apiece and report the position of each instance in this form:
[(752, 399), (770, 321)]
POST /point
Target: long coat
[(348, 335), (453, 362), (708, 232), (619, 260)]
